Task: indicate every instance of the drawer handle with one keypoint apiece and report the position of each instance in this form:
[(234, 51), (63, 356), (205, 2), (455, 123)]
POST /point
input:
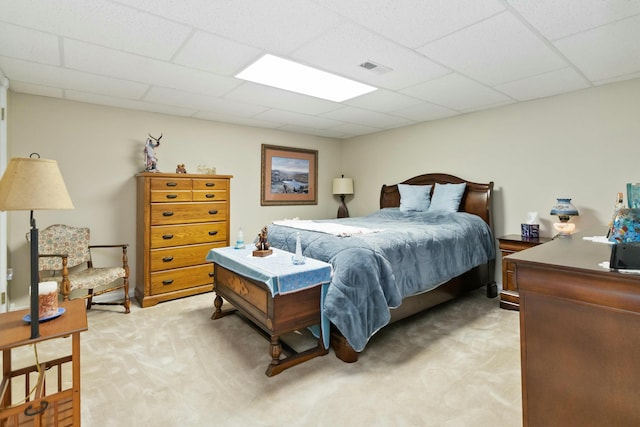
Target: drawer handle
[(172, 196), (168, 213), (213, 211), (210, 196), (213, 233), (167, 282), (172, 184), (30, 411), (210, 184), (167, 259), (210, 274), (167, 236)]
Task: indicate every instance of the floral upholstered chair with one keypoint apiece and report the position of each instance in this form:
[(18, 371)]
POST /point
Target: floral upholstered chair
[(65, 256)]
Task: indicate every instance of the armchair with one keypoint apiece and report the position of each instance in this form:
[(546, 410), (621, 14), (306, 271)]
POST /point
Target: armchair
[(65, 256)]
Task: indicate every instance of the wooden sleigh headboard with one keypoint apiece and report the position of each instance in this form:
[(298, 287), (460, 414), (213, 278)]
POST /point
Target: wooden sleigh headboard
[(476, 199)]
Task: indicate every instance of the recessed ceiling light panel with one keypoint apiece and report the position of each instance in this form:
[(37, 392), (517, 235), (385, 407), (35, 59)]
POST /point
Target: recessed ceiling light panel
[(277, 72)]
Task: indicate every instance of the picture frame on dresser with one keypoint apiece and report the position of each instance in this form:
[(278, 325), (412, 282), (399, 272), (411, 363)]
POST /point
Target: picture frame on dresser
[(288, 176)]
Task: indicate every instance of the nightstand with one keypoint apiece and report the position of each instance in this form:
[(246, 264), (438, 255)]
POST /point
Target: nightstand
[(509, 297)]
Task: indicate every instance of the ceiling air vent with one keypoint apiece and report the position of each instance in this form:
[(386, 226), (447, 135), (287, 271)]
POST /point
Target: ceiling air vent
[(375, 68)]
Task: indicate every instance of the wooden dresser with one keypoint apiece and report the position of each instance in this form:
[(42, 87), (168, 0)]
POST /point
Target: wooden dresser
[(579, 335), (180, 218)]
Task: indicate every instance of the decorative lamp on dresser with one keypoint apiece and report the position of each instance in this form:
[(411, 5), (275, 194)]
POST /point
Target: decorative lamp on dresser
[(508, 245), (180, 218)]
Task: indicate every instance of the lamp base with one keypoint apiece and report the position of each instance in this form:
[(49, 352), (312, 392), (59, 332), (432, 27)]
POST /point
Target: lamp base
[(564, 229), (343, 212)]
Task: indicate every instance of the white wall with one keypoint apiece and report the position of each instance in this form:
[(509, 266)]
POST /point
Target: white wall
[(99, 150), (583, 145)]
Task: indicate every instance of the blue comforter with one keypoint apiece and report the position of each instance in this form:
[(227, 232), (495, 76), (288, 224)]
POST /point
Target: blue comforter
[(411, 253)]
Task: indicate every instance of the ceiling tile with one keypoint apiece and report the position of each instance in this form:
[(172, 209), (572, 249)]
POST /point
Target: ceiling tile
[(35, 89), (414, 23), (342, 50), (328, 133), (253, 93), (102, 22), (547, 84), (425, 112), (456, 92), (216, 54), (556, 19), (297, 119), (30, 45), (498, 50), (605, 52), (353, 129), (278, 26), (100, 60), (47, 75), (130, 104), (245, 121), (211, 104), (367, 118), (383, 100)]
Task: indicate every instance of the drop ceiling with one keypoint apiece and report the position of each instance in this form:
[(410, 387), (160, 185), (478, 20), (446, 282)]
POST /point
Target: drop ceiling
[(436, 58)]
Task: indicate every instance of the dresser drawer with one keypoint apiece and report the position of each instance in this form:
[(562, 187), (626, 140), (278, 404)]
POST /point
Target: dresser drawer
[(170, 184), (181, 278), (180, 235), (208, 196), (181, 213), (158, 196), (182, 256), (210, 184)]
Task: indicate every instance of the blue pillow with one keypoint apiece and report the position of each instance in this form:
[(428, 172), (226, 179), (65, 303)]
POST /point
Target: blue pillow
[(447, 197), (414, 197)]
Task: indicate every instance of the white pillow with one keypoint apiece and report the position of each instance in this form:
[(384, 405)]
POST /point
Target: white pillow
[(447, 197), (414, 197)]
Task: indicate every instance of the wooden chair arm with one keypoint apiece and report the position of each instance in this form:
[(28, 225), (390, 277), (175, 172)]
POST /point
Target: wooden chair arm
[(123, 245), (125, 258)]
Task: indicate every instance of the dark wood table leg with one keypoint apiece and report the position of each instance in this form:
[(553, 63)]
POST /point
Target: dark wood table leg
[(218, 313), (278, 365)]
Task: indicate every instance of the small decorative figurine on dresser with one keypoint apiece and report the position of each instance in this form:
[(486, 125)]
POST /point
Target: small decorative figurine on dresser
[(180, 168), (262, 244), (150, 158)]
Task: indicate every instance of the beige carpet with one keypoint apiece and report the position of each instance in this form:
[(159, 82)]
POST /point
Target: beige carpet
[(170, 365)]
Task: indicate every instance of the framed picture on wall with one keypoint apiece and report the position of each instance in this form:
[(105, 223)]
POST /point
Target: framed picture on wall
[(289, 176)]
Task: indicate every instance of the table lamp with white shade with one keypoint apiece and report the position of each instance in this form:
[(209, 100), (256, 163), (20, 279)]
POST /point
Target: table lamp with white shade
[(342, 186)]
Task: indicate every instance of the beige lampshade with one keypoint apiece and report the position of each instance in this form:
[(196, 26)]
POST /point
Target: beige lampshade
[(343, 185), (33, 184)]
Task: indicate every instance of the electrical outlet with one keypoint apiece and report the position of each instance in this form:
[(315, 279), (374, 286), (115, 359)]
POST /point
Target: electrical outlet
[(9, 273)]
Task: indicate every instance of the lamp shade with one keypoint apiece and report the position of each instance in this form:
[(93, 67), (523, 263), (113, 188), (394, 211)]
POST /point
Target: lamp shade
[(343, 185), (564, 208), (33, 184)]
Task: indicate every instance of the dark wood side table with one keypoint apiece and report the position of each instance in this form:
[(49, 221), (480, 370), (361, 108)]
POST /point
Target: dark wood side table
[(513, 243)]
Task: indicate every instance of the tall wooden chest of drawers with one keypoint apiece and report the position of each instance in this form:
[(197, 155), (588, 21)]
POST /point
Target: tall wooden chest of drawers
[(180, 218)]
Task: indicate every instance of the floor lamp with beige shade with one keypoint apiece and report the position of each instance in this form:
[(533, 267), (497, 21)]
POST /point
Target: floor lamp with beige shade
[(30, 184)]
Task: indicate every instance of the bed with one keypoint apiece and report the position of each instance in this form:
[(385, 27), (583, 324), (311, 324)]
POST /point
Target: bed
[(379, 270)]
